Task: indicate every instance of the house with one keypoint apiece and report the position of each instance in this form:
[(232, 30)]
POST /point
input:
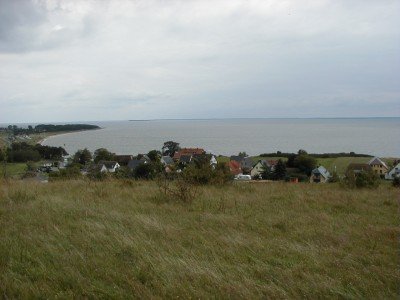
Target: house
[(320, 175), (144, 157), (185, 159), (235, 167), (213, 161), (123, 160), (356, 168), (246, 163), (188, 151), (261, 166), (111, 166), (134, 163), (393, 173), (97, 168), (167, 160), (378, 166)]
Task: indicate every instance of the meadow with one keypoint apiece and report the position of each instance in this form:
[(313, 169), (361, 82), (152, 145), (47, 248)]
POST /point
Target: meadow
[(124, 239)]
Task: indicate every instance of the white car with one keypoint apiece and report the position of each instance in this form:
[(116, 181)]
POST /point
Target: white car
[(242, 177)]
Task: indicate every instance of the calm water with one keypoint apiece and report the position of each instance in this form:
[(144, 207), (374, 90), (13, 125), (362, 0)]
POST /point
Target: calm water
[(375, 136)]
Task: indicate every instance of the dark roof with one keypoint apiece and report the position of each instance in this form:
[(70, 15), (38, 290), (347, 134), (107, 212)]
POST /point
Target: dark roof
[(247, 163), (167, 160), (377, 161), (185, 159), (123, 159), (356, 167), (134, 163), (236, 158)]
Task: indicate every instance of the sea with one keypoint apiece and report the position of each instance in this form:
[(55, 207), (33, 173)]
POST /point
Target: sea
[(374, 136)]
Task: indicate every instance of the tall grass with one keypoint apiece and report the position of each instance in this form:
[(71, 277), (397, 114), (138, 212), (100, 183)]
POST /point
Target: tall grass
[(118, 239)]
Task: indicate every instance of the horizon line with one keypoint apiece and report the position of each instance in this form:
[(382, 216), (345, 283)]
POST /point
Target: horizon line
[(205, 119)]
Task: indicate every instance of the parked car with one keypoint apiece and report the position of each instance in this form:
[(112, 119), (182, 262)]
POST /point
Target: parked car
[(242, 177)]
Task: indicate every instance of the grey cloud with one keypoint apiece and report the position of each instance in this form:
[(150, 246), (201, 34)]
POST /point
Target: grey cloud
[(157, 59)]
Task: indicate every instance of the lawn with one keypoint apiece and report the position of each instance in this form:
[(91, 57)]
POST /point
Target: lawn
[(13, 169), (122, 239)]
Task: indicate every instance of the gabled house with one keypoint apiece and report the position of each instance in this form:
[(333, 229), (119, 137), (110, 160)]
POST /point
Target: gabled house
[(246, 163), (261, 166), (378, 166), (123, 160), (235, 167), (111, 166), (97, 168), (393, 173), (188, 151), (320, 175)]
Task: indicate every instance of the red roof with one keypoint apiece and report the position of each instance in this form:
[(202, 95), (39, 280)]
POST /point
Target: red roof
[(234, 167), (272, 162), (188, 151)]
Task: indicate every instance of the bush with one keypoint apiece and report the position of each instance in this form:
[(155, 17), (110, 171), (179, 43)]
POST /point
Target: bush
[(334, 178), (205, 174), (362, 180), (180, 189), (396, 182)]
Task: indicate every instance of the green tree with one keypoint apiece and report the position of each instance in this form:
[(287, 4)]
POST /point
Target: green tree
[(305, 163), (154, 155), (82, 156), (280, 170), (103, 154), (144, 171), (170, 148), (267, 173), (242, 154), (362, 180)]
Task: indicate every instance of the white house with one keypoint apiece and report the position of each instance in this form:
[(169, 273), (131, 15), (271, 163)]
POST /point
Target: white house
[(111, 166), (394, 172), (320, 175), (261, 166)]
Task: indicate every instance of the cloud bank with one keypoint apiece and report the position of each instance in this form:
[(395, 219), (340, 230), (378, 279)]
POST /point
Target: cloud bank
[(113, 60)]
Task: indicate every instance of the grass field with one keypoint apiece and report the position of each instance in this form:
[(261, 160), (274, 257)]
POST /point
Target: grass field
[(13, 169), (122, 239)]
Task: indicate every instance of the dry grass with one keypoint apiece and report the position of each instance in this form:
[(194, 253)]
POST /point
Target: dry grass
[(122, 239)]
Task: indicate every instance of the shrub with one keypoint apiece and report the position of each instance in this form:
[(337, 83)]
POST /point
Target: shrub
[(396, 182), (362, 180), (334, 178)]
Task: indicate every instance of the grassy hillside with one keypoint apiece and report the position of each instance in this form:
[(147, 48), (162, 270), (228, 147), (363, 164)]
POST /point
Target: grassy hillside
[(122, 239)]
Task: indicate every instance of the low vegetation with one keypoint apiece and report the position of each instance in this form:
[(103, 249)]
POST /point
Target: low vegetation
[(125, 238)]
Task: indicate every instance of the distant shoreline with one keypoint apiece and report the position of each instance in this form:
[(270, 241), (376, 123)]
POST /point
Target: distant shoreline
[(41, 141)]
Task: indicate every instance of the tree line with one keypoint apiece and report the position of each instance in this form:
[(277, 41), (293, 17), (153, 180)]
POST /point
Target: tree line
[(24, 152), (15, 130)]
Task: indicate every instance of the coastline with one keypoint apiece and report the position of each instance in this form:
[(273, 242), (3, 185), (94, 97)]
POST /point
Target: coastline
[(51, 134)]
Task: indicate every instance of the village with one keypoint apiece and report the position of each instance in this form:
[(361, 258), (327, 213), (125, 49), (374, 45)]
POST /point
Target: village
[(300, 167)]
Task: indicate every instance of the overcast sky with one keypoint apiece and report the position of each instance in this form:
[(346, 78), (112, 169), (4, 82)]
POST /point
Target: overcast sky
[(115, 60)]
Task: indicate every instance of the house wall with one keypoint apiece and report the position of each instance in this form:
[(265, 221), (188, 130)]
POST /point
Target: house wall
[(257, 170), (317, 178), (379, 169)]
